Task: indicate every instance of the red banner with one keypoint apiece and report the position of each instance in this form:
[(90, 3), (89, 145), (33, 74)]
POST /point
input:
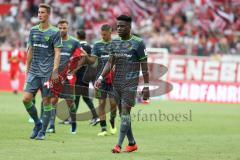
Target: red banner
[(201, 79)]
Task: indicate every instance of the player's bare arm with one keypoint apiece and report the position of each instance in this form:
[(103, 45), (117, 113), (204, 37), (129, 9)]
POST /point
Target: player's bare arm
[(29, 59), (107, 68), (81, 61), (56, 62), (145, 91), (91, 59)]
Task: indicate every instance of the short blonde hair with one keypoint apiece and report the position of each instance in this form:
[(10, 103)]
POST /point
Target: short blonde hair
[(61, 21), (46, 6)]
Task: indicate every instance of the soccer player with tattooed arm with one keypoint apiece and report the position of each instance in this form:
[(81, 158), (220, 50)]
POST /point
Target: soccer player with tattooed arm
[(72, 56)]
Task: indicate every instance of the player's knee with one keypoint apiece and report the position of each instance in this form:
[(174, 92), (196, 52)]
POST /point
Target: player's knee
[(26, 99), (102, 103), (73, 109), (125, 110), (70, 104), (46, 101), (54, 101)]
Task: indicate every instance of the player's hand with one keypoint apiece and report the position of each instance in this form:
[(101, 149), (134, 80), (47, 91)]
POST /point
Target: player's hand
[(97, 83), (145, 93), (54, 75)]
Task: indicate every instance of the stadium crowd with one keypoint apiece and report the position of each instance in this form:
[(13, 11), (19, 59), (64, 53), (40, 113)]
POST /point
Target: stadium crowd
[(191, 27)]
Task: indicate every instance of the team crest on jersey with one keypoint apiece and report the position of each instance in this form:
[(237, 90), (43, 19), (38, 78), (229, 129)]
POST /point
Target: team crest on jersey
[(34, 36), (130, 47), (127, 45), (69, 46), (46, 38)]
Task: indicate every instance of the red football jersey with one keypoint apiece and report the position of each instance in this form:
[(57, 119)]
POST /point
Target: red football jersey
[(14, 58)]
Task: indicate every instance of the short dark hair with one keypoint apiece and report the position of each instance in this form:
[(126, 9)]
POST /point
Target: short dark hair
[(124, 18), (81, 34), (106, 27), (61, 21), (46, 6)]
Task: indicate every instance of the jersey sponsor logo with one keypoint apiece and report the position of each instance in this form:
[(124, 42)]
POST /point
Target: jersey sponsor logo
[(130, 48), (40, 45), (122, 55), (104, 56), (65, 54)]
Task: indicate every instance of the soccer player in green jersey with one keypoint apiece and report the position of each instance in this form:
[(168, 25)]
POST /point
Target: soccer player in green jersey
[(70, 47), (43, 57), (100, 53), (128, 56)]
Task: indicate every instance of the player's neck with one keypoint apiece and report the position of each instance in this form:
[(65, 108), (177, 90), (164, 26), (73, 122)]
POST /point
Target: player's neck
[(65, 37), (108, 40), (127, 37), (44, 26)]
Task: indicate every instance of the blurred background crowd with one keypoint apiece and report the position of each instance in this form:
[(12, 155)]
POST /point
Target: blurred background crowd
[(184, 27)]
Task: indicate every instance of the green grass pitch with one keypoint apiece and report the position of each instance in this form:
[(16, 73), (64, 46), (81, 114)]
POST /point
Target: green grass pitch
[(200, 131)]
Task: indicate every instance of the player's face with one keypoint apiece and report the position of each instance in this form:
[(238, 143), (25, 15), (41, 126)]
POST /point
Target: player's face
[(106, 35), (63, 27), (123, 28), (43, 15)]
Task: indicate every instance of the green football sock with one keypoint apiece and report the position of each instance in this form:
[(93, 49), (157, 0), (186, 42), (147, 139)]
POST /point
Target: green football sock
[(125, 125), (47, 112), (32, 111)]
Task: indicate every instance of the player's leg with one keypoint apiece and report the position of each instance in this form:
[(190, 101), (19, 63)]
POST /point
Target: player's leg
[(73, 112), (32, 111), (51, 129), (113, 109), (30, 120), (124, 127), (14, 81), (132, 146), (47, 112), (69, 96), (101, 94), (31, 87), (127, 102), (102, 116), (47, 108), (89, 103), (130, 97), (113, 113), (77, 94), (34, 102)]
